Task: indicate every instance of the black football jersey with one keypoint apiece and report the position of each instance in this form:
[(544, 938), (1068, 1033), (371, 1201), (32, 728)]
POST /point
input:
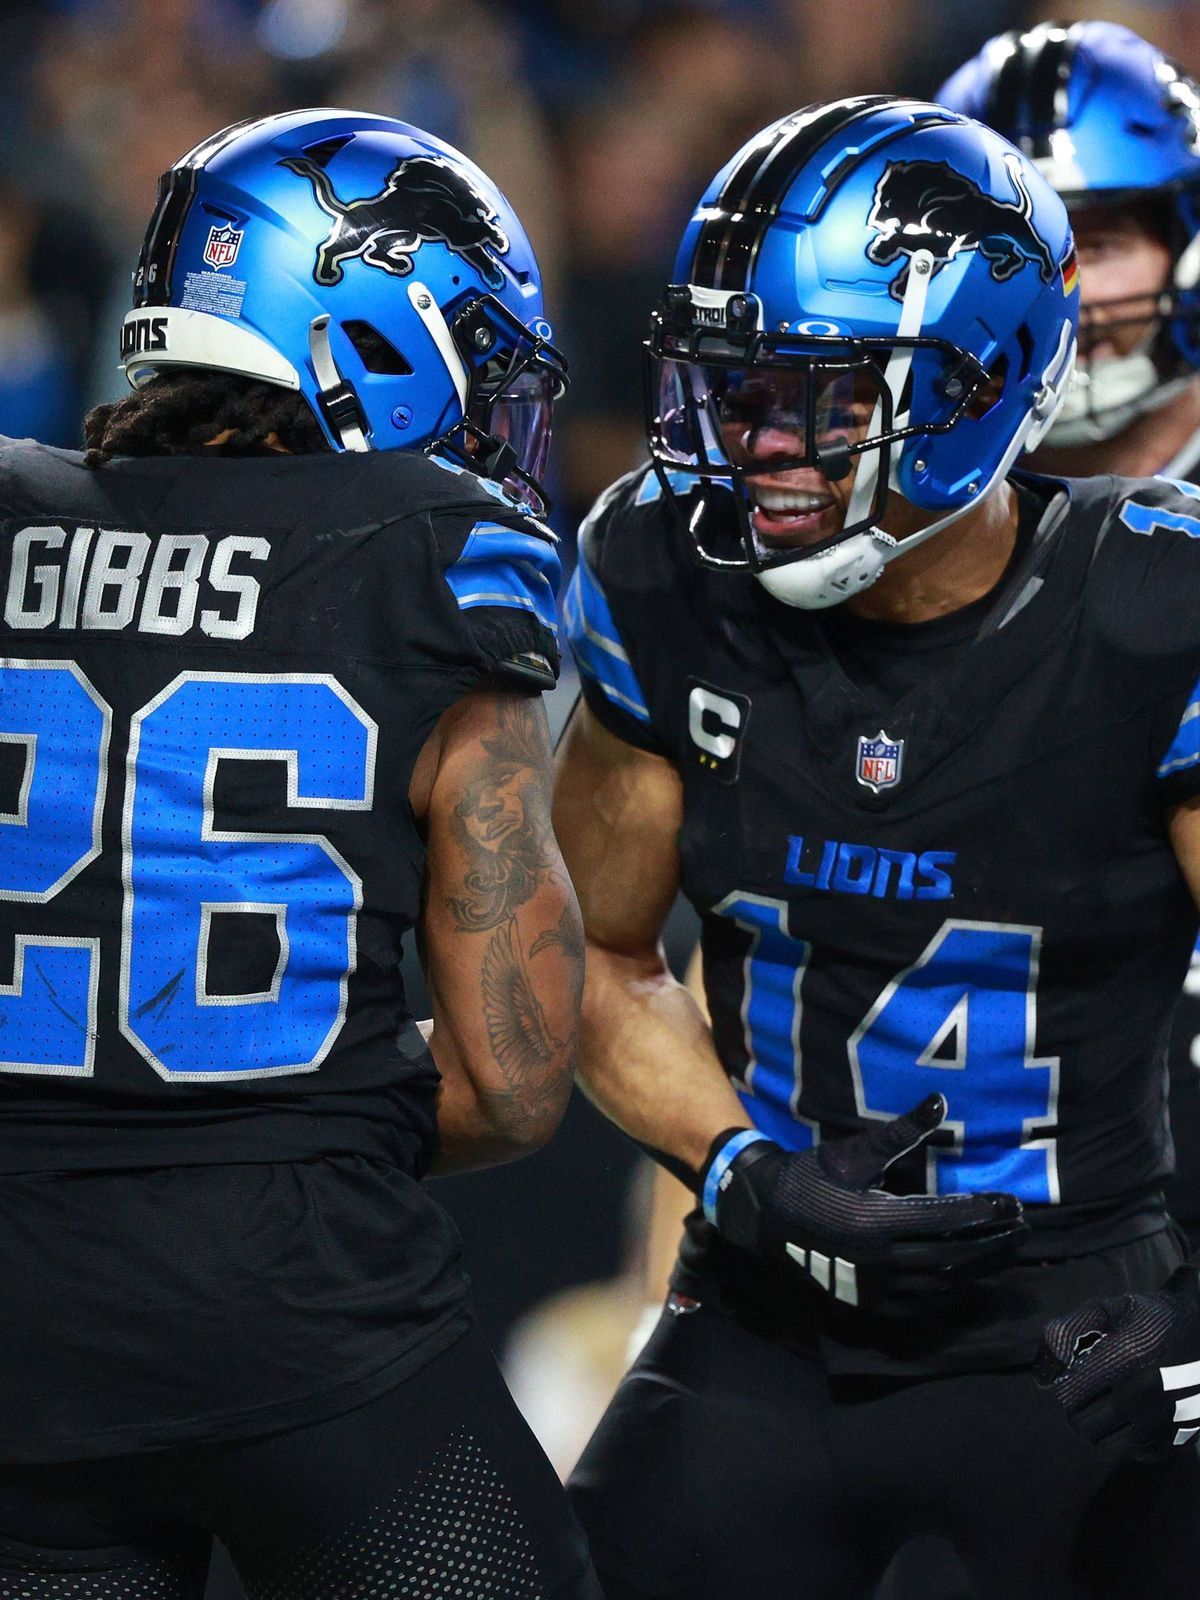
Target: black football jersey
[(1183, 1189), (969, 888), (216, 677)]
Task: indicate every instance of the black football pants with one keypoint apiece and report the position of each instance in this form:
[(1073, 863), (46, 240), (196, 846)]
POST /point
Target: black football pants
[(438, 1489), (727, 1466)]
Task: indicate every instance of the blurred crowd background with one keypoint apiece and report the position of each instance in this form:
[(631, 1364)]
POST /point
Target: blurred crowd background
[(602, 120)]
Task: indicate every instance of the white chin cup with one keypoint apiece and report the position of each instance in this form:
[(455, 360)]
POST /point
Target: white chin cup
[(1105, 397), (815, 582)]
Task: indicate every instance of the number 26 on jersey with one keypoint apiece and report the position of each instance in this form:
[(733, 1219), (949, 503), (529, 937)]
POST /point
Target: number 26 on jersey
[(180, 871)]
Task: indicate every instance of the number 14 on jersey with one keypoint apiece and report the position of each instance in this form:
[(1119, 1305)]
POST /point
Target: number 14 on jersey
[(961, 1019)]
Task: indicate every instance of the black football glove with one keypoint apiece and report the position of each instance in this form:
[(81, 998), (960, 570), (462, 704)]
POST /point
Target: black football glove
[(820, 1208), (1127, 1370)]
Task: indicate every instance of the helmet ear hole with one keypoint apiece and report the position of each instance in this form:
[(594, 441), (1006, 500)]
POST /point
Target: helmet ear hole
[(989, 393), (1025, 345), (378, 353)]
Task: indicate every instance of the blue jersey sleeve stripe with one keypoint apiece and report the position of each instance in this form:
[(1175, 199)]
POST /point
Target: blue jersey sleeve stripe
[(501, 566), (491, 540), (650, 489), (595, 618), (1191, 490), (598, 652), (1185, 747), (499, 584)]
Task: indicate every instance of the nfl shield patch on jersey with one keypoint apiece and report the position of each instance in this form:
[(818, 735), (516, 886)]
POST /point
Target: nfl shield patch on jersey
[(880, 759)]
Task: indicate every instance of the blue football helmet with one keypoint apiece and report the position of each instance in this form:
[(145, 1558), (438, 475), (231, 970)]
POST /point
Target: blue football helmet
[(1108, 120), (367, 265), (885, 281)]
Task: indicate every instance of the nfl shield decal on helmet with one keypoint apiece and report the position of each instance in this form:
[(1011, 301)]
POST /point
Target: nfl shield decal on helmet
[(879, 761), (223, 246)]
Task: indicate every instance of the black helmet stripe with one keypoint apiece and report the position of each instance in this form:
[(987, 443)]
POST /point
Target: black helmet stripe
[(791, 144), (152, 280), (1027, 100), (725, 247), (176, 189), (1002, 109), (203, 153), (1051, 75)]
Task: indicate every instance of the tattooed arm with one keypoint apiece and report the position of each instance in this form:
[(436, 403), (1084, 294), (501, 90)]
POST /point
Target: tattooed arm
[(502, 936), (647, 1057)]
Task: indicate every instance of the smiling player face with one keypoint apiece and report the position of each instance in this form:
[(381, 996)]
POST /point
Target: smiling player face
[(762, 420)]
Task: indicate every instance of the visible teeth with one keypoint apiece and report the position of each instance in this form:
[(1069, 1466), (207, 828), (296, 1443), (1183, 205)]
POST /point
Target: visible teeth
[(791, 500)]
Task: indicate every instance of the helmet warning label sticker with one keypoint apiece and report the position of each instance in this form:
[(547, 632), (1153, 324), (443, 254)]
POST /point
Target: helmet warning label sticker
[(215, 292)]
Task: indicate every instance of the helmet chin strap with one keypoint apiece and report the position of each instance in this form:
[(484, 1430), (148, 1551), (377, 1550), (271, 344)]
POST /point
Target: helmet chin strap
[(337, 397), (816, 582)]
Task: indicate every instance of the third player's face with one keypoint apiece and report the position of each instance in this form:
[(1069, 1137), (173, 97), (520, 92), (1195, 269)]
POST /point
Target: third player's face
[(1123, 268), (762, 423)]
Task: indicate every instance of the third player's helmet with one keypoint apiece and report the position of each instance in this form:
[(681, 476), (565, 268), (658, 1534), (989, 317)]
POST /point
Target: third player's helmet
[(877, 259), (369, 266), (1108, 120)]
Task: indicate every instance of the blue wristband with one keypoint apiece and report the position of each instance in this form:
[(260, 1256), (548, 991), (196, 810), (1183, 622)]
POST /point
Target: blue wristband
[(720, 1165)]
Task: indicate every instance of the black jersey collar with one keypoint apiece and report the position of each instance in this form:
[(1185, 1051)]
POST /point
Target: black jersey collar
[(939, 714)]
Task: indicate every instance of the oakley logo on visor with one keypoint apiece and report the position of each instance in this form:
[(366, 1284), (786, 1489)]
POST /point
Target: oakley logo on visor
[(424, 199), (820, 328), (927, 205)]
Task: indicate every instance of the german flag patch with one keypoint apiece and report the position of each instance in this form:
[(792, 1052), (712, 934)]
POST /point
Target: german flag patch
[(1070, 272)]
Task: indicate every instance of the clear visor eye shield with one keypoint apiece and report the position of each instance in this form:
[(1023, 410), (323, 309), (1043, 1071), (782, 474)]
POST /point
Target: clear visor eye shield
[(513, 377), (729, 405)]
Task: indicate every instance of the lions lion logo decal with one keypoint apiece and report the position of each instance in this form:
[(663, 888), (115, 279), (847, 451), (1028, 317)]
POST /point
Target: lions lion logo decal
[(424, 198), (927, 205)]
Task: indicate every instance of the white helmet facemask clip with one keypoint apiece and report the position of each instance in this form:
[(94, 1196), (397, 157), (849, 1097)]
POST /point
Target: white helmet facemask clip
[(816, 582)]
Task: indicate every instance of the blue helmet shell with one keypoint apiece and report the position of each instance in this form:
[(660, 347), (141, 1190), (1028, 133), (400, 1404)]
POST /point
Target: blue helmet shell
[(1099, 109), (819, 218), (1108, 119), (366, 230)]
